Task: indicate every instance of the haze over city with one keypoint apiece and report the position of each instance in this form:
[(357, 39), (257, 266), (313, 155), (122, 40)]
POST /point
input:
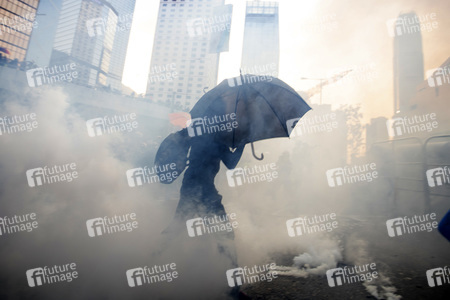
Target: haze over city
[(224, 149), (317, 37)]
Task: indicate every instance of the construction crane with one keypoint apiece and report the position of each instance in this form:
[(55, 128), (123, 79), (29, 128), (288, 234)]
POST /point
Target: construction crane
[(323, 82)]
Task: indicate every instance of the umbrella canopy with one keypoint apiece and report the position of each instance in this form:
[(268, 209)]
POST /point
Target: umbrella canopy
[(255, 107), (4, 50)]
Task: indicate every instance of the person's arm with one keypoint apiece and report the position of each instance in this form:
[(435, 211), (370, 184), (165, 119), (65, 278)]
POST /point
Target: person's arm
[(231, 159)]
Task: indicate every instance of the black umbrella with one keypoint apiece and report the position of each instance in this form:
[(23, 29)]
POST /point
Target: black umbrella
[(257, 107)]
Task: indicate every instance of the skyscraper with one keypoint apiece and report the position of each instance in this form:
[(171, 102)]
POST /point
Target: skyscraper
[(94, 35), (182, 65), (261, 47), (408, 59), (41, 42), (125, 10), (17, 20)]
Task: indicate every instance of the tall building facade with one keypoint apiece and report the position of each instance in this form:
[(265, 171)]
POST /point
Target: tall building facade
[(41, 42), (261, 47), (17, 21), (93, 34), (182, 65), (408, 59), (125, 9)]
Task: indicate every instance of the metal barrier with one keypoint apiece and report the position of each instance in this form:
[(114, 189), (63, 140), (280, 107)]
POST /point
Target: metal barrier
[(427, 165), (423, 165), (396, 165)]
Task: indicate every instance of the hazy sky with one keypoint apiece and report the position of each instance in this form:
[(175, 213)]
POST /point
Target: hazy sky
[(318, 37)]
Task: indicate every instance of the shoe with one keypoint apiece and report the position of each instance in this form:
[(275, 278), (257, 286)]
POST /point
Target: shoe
[(243, 296)]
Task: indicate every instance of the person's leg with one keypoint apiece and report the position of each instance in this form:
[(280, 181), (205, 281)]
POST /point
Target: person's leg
[(224, 240), (189, 207)]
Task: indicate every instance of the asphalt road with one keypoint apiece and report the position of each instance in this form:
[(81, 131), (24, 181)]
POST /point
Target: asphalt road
[(403, 261)]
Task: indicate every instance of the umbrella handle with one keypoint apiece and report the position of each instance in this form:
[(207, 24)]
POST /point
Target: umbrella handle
[(254, 154)]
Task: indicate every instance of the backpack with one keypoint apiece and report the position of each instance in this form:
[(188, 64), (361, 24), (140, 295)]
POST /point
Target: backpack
[(172, 156), (444, 226)]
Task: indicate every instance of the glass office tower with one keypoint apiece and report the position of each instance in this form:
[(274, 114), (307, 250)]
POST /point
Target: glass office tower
[(261, 47), (408, 60), (16, 24)]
